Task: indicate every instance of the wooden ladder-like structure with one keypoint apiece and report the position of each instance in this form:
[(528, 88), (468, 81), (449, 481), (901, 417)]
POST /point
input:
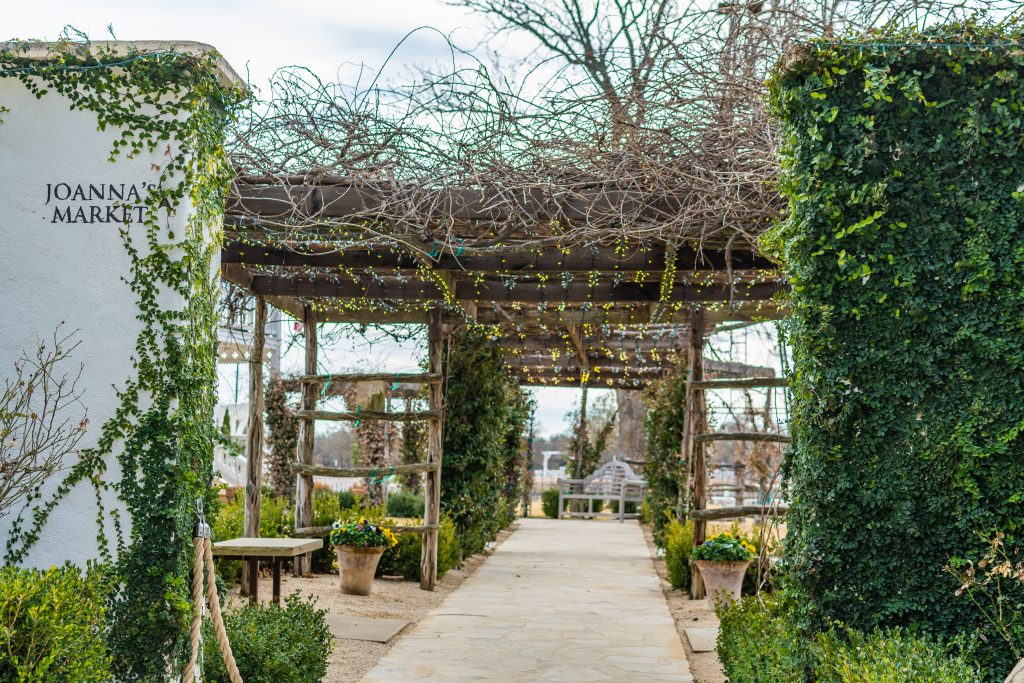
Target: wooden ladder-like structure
[(312, 384), (696, 436)]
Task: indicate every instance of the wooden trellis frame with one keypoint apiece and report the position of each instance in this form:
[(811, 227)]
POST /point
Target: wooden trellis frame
[(604, 315)]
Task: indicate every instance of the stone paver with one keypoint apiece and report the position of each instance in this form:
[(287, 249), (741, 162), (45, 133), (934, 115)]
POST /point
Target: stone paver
[(561, 600), (702, 639)]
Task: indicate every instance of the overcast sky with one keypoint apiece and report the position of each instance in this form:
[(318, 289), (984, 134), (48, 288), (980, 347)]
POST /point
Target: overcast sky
[(334, 38)]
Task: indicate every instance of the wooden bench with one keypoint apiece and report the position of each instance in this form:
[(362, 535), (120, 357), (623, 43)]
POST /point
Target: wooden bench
[(613, 481)]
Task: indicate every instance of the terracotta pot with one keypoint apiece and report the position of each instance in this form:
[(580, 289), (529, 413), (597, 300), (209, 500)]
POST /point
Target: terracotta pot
[(356, 567), (723, 581)]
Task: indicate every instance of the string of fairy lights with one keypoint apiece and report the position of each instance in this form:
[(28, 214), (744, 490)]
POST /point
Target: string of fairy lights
[(622, 346)]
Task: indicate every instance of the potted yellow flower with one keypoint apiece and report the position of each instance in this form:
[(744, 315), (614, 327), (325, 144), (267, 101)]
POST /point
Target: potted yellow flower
[(359, 546), (722, 561)]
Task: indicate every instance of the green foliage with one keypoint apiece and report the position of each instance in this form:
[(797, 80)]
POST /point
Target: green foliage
[(724, 548), (361, 533), (887, 656), (664, 468), (678, 544), (272, 644), (758, 642), (282, 437), (484, 464), (165, 104), (405, 505), (404, 558), (549, 503), (52, 625), (904, 244), (414, 451), (347, 499)]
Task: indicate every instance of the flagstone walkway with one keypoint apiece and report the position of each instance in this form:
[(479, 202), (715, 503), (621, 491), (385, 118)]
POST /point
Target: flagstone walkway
[(561, 600)]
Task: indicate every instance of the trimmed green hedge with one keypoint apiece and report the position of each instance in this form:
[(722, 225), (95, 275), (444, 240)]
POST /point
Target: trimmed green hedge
[(272, 644), (758, 642), (549, 503), (904, 244), (52, 625)]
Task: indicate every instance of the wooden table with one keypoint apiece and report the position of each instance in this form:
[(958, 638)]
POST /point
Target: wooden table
[(252, 550)]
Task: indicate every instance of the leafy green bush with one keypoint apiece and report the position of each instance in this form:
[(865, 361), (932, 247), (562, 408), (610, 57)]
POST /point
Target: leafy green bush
[(347, 499), (326, 510), (405, 505), (887, 656), (902, 244), (404, 559), (549, 502), (272, 644), (52, 625), (678, 547), (664, 470), (645, 513), (758, 643), (724, 547)]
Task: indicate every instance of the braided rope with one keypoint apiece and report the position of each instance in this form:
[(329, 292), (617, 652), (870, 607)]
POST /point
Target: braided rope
[(197, 616), (218, 619)]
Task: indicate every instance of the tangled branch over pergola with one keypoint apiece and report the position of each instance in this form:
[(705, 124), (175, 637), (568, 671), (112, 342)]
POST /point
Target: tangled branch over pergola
[(614, 182)]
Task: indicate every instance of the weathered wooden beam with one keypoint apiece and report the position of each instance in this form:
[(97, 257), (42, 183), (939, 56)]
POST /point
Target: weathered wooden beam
[(254, 432), (742, 436), (694, 422), (741, 383), (436, 346), (737, 512), (323, 471), (395, 289), (368, 415), (316, 201), (580, 259), (307, 431), (354, 377)]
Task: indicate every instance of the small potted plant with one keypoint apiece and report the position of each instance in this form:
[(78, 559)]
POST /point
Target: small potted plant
[(722, 561), (359, 546)]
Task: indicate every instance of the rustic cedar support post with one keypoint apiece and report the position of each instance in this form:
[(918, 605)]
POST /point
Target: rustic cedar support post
[(307, 427), (254, 432), (694, 423), (435, 448)]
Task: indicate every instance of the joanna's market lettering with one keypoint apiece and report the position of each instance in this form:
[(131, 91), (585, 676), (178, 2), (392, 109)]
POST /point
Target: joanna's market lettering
[(97, 203)]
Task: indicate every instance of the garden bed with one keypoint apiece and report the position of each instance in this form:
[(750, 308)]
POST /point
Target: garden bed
[(390, 599)]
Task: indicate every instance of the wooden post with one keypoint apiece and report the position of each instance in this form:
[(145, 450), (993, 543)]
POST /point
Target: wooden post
[(307, 428), (695, 422), (254, 432), (435, 449)]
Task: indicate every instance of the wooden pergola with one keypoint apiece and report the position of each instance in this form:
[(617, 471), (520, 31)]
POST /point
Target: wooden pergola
[(614, 312)]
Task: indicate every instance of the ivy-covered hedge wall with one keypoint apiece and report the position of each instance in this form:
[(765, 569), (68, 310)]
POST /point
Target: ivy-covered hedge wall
[(904, 167), (485, 460)]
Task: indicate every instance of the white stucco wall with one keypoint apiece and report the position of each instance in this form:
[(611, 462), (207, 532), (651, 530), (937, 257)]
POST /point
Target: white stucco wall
[(54, 272)]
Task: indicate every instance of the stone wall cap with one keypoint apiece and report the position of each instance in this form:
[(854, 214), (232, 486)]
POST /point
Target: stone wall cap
[(42, 51)]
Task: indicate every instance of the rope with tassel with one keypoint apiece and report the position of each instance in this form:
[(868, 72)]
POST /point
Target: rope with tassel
[(202, 544)]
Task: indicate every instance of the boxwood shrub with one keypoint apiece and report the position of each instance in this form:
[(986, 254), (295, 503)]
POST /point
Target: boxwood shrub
[(52, 625), (272, 644)]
